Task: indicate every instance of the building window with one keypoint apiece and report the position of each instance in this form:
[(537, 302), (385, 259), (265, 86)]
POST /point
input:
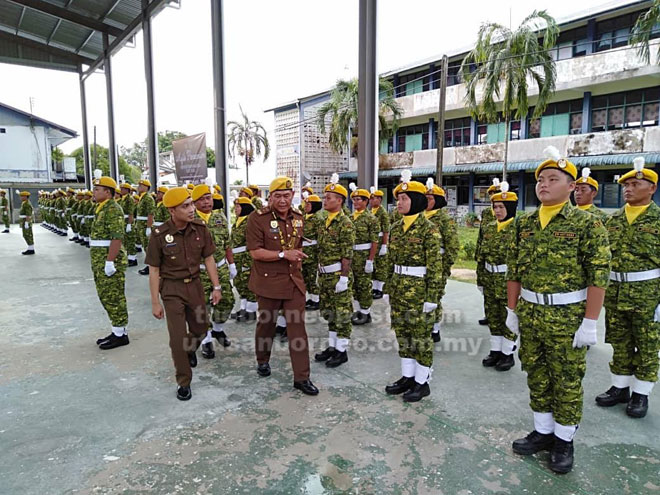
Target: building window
[(411, 84), (482, 134), (630, 109), (559, 119), (613, 33), (494, 133), (457, 132), (3, 130), (413, 137)]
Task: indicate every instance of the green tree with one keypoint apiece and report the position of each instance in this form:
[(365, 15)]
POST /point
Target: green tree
[(137, 154), (131, 173), (238, 182), (503, 63), (647, 24), (343, 110), (56, 155), (247, 139)]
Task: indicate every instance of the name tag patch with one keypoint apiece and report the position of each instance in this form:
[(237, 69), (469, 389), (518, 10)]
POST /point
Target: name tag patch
[(565, 235)]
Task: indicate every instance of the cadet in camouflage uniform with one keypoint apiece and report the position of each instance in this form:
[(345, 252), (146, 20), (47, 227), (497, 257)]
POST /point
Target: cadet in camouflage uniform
[(70, 201), (366, 227), (632, 302), (586, 190), (144, 215), (87, 217), (75, 222), (4, 208), (558, 264), (161, 214), (243, 260), (310, 265), (487, 218), (335, 240), (217, 224), (380, 268), (304, 192), (60, 205), (491, 275), (127, 204), (413, 288), (256, 199), (26, 217)]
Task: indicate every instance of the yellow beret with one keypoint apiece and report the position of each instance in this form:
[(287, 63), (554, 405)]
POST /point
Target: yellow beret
[(639, 172), (247, 191), (588, 180), (175, 196), (126, 185), (217, 188), (89, 193), (280, 184), (199, 191), (105, 181), (254, 188), (504, 196), (24, 193), (70, 189), (337, 189), (555, 160), (308, 189), (144, 182), (492, 189), (190, 187), (360, 192), (217, 195), (436, 190), (412, 186), (79, 192), (378, 193), (243, 201), (117, 190), (163, 189), (313, 198)]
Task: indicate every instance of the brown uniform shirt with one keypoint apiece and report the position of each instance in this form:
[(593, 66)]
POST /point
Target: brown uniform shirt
[(177, 252), (275, 279)]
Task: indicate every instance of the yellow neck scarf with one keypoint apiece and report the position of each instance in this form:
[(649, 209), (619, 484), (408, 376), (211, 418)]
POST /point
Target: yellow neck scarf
[(504, 224), (98, 208), (584, 207), (308, 216), (374, 210), (331, 217), (408, 221), (430, 213), (547, 213), (632, 212), (206, 216), (240, 220), (357, 213)]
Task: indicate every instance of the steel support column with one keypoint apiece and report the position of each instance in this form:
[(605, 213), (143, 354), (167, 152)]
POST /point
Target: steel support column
[(112, 149), (219, 115), (152, 138), (87, 166), (368, 97)]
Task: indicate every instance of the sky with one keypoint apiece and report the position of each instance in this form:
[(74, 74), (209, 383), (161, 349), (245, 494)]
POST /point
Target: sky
[(275, 52)]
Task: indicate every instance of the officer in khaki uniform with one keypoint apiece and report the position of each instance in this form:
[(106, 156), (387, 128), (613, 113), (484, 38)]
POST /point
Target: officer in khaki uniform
[(377, 209), (632, 302), (173, 257), (559, 266), (586, 190), (274, 241)]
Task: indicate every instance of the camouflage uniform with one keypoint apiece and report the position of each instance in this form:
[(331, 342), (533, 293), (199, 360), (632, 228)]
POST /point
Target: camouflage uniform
[(242, 260), (258, 204), (366, 227), (630, 306), (380, 269), (161, 215), (108, 225), (335, 242), (26, 225), (60, 206), (570, 254), (70, 201), (600, 214), (127, 204), (487, 219), (310, 265), (4, 206), (146, 206)]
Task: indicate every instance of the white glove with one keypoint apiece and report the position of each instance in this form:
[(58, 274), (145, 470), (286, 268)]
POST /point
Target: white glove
[(386, 298), (148, 231), (480, 288), (586, 334), (26, 225), (82, 222), (656, 316), (369, 266), (383, 250), (129, 227), (512, 321), (428, 307), (232, 271), (508, 346), (342, 285), (110, 269)]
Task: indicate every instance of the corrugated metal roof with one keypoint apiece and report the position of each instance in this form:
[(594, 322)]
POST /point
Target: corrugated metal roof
[(493, 167)]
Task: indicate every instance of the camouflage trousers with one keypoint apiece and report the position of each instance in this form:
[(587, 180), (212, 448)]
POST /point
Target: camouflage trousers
[(496, 313), (141, 237), (221, 311), (129, 240), (111, 290), (380, 267), (5, 219), (554, 368), (241, 283), (310, 272), (410, 324), (27, 233), (336, 307), (635, 340), (361, 281)]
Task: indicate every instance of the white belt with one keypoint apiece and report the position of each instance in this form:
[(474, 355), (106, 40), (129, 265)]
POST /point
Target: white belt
[(558, 299), (495, 268), (125, 216), (89, 216), (635, 276), (442, 250), (380, 234), (156, 224), (239, 249), (362, 247), (143, 218), (99, 243), (412, 271), (218, 264), (335, 267), (23, 216), (309, 243)]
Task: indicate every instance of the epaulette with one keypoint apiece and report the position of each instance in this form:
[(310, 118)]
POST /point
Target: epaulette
[(198, 221), (297, 212), (263, 211), (161, 229)]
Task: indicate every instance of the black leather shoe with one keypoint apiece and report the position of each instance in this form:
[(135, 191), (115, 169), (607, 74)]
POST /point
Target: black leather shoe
[(337, 359), (183, 393), (417, 392), (132, 263), (359, 318), (100, 341), (613, 397), (400, 386), (221, 337), (138, 249), (312, 305), (233, 316), (207, 350), (144, 271), (306, 387), (263, 369), (279, 330), (73, 239), (28, 251), (561, 456), (6, 231), (492, 359), (638, 405), (533, 443), (377, 294), (250, 316), (325, 355), (241, 315), (483, 321), (192, 359), (505, 363), (436, 337), (113, 342)]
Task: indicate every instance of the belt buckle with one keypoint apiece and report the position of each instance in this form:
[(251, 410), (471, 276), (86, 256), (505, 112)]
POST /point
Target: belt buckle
[(624, 277), (187, 280), (547, 299)]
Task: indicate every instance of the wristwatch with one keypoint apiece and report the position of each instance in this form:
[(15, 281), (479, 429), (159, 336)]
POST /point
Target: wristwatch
[(280, 255), (217, 287)]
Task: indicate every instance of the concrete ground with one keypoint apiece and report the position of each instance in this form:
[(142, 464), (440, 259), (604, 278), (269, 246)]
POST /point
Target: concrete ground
[(74, 419)]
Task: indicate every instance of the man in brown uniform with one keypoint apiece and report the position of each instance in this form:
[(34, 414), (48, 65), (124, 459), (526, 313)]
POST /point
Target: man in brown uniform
[(274, 240), (173, 255)]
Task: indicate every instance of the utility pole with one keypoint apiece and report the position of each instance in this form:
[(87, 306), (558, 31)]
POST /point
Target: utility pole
[(440, 140)]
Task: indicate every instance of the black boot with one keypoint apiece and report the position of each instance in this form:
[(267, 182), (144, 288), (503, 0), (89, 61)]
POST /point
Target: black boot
[(638, 405), (241, 315), (6, 231), (221, 337), (144, 271), (138, 249), (325, 355), (533, 443), (132, 263), (492, 359), (561, 456), (183, 393), (337, 359), (613, 397), (263, 369), (436, 337), (417, 392), (284, 337), (28, 251), (505, 363), (483, 321), (207, 350), (400, 386), (377, 294), (360, 318), (113, 342)]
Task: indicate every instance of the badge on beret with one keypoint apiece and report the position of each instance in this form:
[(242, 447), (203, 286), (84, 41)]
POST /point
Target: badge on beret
[(561, 163), (404, 186), (288, 183), (332, 187), (639, 175), (169, 238), (503, 195), (273, 224)]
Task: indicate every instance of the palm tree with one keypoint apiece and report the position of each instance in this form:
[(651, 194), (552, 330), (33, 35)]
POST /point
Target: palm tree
[(247, 139), (343, 110), (505, 61), (646, 25)]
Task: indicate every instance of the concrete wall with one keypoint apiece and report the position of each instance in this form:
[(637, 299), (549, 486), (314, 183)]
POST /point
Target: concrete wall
[(25, 155)]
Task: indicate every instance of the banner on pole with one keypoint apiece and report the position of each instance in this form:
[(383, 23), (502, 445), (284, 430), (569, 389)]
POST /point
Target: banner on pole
[(190, 158)]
